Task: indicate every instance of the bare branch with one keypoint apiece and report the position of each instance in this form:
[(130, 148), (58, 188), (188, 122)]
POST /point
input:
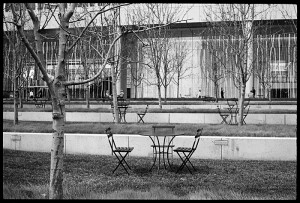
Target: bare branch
[(86, 27)]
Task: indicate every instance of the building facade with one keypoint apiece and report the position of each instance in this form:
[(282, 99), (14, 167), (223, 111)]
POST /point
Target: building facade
[(273, 53)]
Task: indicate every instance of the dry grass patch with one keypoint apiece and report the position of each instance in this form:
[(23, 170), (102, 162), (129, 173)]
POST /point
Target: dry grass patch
[(26, 175), (134, 128)]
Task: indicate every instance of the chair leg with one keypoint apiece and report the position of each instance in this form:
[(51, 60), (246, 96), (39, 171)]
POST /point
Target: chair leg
[(184, 161), (244, 122), (224, 119), (187, 160), (121, 161), (140, 118)]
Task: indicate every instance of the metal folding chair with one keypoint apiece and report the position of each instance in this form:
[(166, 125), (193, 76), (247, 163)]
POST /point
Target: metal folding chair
[(119, 152), (142, 114), (187, 152), (223, 115), (232, 104), (245, 114)]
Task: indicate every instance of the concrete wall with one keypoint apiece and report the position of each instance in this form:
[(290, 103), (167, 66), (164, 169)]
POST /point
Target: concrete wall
[(254, 105), (207, 118), (210, 147)]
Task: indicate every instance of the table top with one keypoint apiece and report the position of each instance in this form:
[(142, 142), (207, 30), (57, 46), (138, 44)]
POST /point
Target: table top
[(163, 126), (164, 134), (234, 109)]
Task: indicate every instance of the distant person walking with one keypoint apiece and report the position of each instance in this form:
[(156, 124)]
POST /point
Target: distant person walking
[(31, 94), (121, 94), (199, 94), (107, 94), (222, 93), (253, 92)]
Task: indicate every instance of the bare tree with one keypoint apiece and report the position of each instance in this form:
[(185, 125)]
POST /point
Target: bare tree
[(156, 40), (263, 70), (14, 69), (213, 65), (235, 22), (178, 57), (137, 76), (167, 71), (289, 12), (58, 85)]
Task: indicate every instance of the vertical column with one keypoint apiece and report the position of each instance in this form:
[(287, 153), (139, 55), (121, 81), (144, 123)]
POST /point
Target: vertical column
[(122, 79), (133, 56), (250, 82)]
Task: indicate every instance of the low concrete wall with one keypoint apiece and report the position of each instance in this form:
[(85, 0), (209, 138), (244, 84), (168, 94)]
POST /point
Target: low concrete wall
[(254, 105), (207, 118), (210, 147)]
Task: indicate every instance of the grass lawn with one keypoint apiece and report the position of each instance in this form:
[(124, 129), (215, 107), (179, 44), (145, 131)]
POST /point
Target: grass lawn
[(26, 175), (134, 128)]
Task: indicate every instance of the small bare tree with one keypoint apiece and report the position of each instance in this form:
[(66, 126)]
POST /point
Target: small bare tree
[(178, 57), (149, 16), (14, 69), (167, 70), (263, 70), (213, 65)]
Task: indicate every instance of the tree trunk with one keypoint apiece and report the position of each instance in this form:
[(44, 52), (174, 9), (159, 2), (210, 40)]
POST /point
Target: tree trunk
[(264, 91), (159, 97), (216, 90), (69, 95), (165, 93), (57, 149), (159, 92), (178, 89), (115, 100), (20, 98), (16, 120), (241, 105), (58, 115), (114, 92), (39, 48), (87, 96)]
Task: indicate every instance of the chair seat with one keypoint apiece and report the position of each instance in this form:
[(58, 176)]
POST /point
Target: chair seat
[(183, 149), (123, 149), (141, 114), (162, 145), (224, 114)]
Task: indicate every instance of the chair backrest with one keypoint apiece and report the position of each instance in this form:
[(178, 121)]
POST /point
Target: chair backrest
[(231, 103), (110, 139), (197, 139), (246, 112), (246, 103)]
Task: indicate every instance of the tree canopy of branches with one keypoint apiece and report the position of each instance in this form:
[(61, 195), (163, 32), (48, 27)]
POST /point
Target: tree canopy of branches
[(157, 42), (235, 23), (66, 15)]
